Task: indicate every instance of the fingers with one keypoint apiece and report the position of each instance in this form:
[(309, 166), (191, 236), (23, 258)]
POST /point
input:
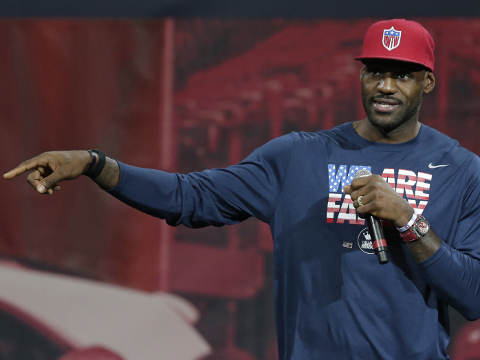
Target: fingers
[(50, 168), (355, 194), (36, 179), (49, 183), (363, 181), (367, 194), (378, 198), (20, 169), (50, 191), (364, 185), (364, 204)]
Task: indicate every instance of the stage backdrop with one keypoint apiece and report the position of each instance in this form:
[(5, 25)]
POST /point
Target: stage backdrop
[(185, 95)]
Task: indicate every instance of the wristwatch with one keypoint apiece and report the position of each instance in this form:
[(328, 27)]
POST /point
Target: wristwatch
[(417, 230)]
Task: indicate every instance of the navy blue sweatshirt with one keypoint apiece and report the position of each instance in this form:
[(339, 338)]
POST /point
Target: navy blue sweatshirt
[(333, 300)]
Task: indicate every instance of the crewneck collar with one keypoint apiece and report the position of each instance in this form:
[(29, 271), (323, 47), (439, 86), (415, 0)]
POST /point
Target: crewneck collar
[(362, 142)]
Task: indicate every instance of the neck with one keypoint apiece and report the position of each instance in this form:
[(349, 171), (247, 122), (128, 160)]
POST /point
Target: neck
[(403, 133)]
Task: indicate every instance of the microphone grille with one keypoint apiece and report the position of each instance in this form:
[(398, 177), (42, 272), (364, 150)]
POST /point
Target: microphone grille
[(362, 173)]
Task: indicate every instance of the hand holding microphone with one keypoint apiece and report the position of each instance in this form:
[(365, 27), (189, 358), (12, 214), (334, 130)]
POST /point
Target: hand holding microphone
[(374, 226), (376, 200)]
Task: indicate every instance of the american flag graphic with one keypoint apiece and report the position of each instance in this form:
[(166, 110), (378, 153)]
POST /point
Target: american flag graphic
[(412, 186), (344, 176), (391, 38)]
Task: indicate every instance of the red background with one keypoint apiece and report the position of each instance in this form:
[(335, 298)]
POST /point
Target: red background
[(186, 95)]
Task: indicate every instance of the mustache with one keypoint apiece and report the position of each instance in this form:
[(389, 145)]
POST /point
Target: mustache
[(386, 97)]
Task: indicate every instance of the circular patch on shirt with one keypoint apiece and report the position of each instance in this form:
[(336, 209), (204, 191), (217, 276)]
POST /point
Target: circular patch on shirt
[(365, 242)]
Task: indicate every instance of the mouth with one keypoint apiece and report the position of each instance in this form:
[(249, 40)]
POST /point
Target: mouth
[(385, 105)]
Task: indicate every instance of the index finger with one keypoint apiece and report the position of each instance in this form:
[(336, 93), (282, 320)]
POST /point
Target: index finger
[(20, 169), (360, 182)]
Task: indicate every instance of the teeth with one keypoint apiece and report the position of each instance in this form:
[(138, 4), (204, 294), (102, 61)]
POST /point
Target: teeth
[(385, 105)]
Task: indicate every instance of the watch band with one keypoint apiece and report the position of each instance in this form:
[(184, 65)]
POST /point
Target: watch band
[(419, 229)]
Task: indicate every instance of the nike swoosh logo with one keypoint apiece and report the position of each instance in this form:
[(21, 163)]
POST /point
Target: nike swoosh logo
[(431, 166)]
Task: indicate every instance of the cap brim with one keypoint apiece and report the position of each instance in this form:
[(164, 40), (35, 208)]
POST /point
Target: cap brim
[(360, 58)]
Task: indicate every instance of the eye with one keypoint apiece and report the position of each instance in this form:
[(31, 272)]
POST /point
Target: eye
[(373, 70), (404, 76)]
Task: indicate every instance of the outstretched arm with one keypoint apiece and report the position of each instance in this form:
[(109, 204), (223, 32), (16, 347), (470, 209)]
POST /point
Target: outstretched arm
[(47, 170), (212, 197)]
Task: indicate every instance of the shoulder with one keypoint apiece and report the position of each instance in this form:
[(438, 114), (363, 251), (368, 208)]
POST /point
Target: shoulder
[(303, 140), (339, 134), (448, 149), (463, 165), (291, 140), (433, 136), (472, 175)]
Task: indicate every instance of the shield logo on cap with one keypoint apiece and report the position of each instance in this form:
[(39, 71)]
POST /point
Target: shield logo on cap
[(391, 38)]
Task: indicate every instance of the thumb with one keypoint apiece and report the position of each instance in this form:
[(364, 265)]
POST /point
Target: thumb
[(48, 183), (41, 188)]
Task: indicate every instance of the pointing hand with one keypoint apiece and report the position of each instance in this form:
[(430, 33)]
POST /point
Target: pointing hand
[(50, 168)]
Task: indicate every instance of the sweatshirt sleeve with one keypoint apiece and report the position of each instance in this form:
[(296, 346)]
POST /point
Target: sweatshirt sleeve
[(453, 271), (211, 197)]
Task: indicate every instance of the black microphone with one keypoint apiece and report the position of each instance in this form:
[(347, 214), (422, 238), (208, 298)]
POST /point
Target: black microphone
[(375, 227)]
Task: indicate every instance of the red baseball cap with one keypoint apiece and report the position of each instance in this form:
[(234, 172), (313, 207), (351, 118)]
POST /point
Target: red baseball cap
[(398, 39)]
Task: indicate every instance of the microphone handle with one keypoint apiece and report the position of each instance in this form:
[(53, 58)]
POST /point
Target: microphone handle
[(378, 239)]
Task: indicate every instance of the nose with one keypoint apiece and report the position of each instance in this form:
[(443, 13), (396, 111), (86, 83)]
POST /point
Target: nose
[(387, 85)]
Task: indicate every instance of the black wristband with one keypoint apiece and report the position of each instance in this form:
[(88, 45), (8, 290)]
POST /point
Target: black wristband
[(93, 163), (96, 167)]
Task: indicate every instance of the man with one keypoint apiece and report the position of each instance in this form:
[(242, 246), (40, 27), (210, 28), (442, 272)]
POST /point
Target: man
[(333, 300)]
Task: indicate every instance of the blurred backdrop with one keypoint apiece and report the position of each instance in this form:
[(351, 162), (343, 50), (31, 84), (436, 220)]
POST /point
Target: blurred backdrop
[(185, 94)]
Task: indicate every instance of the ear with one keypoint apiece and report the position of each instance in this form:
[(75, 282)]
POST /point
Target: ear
[(429, 82), (362, 71)]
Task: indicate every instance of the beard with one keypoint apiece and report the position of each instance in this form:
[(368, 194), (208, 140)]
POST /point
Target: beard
[(388, 122)]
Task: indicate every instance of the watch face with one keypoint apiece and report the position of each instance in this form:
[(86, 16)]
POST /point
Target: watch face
[(422, 227)]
